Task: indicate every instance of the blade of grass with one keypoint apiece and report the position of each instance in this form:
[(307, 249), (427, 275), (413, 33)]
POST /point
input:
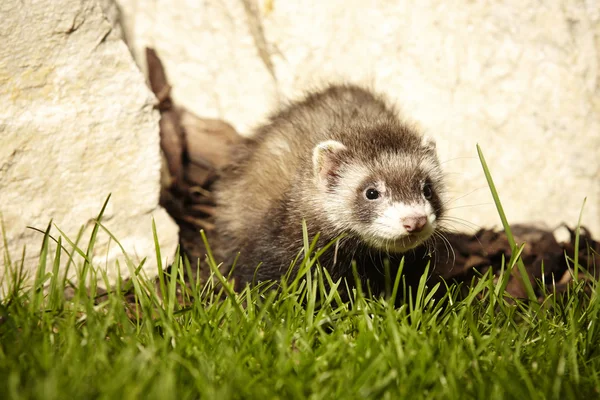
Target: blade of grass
[(172, 293), (90, 249), (56, 291), (511, 240), (397, 282), (38, 289), (159, 265), (576, 255), (7, 260)]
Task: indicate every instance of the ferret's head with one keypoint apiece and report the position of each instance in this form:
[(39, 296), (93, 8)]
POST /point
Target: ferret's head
[(388, 195)]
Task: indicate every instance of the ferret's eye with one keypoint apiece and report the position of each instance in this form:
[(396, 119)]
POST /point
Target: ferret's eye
[(427, 192), (371, 194)]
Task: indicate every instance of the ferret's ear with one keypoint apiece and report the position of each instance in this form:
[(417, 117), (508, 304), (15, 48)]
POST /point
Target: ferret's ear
[(428, 143), (327, 158)]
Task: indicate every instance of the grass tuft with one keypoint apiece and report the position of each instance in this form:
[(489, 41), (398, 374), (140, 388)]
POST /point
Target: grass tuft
[(172, 339)]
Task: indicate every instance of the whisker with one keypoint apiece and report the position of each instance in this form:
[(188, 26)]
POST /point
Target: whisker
[(432, 245), (448, 246), (461, 221), (458, 158), (450, 227), (470, 205), (446, 174), (468, 227), (445, 203), (436, 236)]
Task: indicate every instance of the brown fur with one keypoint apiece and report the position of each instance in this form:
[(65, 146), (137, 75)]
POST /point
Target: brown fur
[(263, 197)]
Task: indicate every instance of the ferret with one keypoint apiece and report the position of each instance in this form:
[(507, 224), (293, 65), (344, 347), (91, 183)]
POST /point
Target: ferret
[(344, 161)]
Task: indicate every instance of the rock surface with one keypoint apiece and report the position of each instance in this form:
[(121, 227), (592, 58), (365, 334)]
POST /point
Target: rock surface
[(76, 124), (521, 78)]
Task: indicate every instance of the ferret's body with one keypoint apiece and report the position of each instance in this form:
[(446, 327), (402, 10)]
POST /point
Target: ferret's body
[(342, 160)]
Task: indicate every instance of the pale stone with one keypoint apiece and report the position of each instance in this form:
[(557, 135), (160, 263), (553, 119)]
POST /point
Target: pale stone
[(76, 124), (519, 77)]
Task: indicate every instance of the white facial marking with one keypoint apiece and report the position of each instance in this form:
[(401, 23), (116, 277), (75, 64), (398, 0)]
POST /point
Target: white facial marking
[(389, 225), (388, 232), (339, 205), (390, 221), (429, 212)]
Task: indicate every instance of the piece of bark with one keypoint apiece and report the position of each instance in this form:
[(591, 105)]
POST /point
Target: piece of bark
[(171, 132), (208, 140), (158, 80)]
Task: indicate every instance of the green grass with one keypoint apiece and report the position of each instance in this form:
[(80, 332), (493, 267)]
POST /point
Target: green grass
[(299, 341)]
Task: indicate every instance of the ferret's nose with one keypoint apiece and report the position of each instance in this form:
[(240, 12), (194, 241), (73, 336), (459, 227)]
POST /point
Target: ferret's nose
[(414, 224)]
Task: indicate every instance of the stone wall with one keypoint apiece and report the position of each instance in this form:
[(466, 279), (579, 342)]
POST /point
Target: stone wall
[(519, 77), (76, 124)]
